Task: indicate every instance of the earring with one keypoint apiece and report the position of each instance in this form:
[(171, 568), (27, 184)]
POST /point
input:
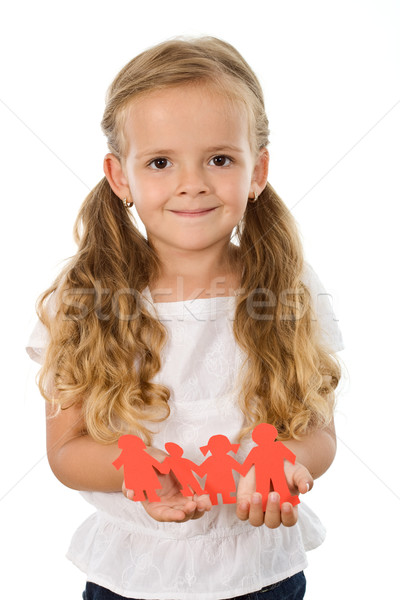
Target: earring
[(126, 203), (253, 200)]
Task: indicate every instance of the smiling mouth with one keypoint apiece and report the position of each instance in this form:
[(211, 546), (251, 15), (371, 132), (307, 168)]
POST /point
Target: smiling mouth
[(194, 213)]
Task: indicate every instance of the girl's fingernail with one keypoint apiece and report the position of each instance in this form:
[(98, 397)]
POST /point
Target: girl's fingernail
[(273, 497), (243, 506), (256, 499), (129, 494), (308, 487)]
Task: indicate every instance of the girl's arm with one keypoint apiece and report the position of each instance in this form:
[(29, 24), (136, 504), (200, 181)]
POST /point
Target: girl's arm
[(77, 460), (81, 463), (315, 451)]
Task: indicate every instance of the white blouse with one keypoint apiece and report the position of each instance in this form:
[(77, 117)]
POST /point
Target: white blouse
[(120, 547)]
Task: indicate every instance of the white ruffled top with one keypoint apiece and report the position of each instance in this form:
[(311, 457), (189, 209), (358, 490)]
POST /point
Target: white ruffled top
[(122, 548)]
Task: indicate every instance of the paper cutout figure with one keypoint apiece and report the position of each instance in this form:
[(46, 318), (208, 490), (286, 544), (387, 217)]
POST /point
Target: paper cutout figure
[(268, 460), (267, 457), (138, 466), (218, 468), (183, 470)]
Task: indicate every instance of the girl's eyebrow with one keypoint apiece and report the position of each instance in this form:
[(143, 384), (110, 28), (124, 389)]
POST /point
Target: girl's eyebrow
[(169, 151), (156, 152), (224, 147)]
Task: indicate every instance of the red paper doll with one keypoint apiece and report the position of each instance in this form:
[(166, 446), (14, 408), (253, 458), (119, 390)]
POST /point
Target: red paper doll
[(138, 466), (218, 468), (183, 470), (268, 460)]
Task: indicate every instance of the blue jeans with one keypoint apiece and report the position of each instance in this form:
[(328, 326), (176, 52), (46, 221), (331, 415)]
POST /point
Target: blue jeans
[(292, 588)]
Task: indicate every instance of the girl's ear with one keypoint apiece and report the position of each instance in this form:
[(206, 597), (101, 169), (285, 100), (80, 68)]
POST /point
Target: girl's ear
[(260, 172), (115, 176)]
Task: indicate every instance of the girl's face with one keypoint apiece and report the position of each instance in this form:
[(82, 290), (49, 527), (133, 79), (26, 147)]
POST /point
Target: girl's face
[(189, 167)]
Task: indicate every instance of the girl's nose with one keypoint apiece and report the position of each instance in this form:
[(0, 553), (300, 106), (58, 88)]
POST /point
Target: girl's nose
[(192, 182)]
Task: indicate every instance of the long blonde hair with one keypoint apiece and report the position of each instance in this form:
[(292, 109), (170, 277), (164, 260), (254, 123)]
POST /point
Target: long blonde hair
[(105, 342)]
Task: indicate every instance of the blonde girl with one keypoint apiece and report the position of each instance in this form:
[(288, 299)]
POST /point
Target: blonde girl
[(211, 323)]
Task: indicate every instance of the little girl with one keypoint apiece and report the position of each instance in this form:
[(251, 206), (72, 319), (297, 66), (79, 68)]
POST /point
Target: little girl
[(210, 324)]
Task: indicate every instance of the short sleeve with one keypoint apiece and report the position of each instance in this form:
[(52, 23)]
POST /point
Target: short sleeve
[(38, 342), (331, 335)]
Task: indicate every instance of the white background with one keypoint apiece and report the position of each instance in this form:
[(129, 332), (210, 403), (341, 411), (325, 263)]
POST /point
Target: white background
[(330, 72)]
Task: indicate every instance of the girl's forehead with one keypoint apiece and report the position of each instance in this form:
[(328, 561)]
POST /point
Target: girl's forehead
[(203, 96), (195, 107)]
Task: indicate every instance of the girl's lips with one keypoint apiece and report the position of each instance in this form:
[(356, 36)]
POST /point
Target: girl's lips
[(193, 213)]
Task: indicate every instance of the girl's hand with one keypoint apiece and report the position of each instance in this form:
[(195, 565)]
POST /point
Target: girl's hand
[(249, 502), (173, 506)]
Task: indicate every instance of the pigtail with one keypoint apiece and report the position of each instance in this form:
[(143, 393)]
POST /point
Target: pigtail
[(109, 240), (284, 381), (105, 344)]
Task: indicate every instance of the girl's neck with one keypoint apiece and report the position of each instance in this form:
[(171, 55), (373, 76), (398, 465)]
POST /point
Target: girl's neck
[(188, 279)]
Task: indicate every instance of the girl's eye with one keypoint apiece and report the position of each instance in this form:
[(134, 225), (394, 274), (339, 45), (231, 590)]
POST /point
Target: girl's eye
[(221, 161), (159, 163)]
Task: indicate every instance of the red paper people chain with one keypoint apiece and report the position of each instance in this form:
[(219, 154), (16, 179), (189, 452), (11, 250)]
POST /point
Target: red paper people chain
[(267, 457)]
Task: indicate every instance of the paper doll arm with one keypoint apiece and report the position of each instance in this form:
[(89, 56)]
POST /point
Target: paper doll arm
[(287, 454), (248, 463), (201, 469), (118, 462), (162, 467)]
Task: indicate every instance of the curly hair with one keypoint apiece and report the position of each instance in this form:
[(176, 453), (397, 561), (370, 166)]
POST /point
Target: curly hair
[(105, 342)]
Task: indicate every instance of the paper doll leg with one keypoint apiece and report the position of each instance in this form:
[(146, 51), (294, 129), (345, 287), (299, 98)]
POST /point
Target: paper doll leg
[(264, 491), (227, 498), (189, 486), (280, 486), (186, 491), (293, 500), (213, 497), (195, 488), (138, 496), (152, 496)]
